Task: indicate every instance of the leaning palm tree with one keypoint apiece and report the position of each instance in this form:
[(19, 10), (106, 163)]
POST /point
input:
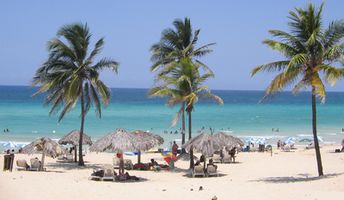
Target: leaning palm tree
[(186, 77), (70, 74), (174, 45), (310, 52)]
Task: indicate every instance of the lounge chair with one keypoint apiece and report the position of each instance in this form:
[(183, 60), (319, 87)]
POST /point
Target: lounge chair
[(217, 158), (35, 164), (128, 165), (286, 148), (22, 165), (211, 171), (226, 158), (198, 171), (109, 174)]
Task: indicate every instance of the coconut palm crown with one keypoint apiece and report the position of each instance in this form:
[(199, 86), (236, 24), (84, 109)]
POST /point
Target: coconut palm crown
[(310, 53), (70, 74), (178, 43)]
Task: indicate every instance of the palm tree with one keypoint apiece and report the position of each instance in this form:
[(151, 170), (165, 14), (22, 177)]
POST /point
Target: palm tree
[(174, 45), (310, 52), (185, 77), (70, 74)]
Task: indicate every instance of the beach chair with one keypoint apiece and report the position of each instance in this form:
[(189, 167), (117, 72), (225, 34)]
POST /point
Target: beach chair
[(109, 174), (198, 171), (22, 165), (35, 164), (128, 165), (217, 158), (286, 148), (116, 161), (211, 171), (70, 157), (226, 158)]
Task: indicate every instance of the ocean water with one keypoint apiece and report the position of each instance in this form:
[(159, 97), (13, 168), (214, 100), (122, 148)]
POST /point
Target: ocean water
[(242, 115)]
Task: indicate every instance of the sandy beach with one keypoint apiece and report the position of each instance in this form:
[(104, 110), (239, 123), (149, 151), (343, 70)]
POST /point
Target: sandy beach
[(284, 175)]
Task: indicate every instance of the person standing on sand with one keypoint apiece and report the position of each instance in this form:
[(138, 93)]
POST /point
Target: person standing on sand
[(342, 150), (174, 148)]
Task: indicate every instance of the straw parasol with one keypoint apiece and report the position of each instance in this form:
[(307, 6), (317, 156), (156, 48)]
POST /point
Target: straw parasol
[(155, 139), (121, 140), (227, 141), (203, 143), (45, 145), (73, 139)]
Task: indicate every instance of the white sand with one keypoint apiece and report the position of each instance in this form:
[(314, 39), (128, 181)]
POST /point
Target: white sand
[(285, 175)]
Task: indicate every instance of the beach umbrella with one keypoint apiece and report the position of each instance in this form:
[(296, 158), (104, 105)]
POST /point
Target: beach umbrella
[(45, 145), (10, 144), (147, 136), (290, 141), (227, 141), (168, 156), (203, 143), (261, 141), (250, 141), (121, 140), (72, 138)]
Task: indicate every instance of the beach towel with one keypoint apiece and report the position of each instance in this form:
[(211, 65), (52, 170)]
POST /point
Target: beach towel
[(168, 156)]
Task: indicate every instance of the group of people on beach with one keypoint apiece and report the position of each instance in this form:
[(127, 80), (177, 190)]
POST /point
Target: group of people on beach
[(6, 130)]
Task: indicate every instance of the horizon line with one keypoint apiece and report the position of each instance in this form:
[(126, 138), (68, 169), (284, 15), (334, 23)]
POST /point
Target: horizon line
[(249, 90)]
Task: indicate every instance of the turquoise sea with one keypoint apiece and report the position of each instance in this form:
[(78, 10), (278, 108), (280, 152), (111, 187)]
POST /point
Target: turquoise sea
[(242, 115)]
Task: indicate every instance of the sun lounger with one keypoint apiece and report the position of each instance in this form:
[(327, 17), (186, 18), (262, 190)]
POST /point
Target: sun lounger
[(35, 164), (211, 171), (286, 148), (22, 165), (128, 165), (198, 171), (109, 174), (217, 158), (226, 159)]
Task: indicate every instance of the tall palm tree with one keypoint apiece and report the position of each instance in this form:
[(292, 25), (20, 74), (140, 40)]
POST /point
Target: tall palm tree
[(70, 74), (309, 52), (185, 77), (174, 45)]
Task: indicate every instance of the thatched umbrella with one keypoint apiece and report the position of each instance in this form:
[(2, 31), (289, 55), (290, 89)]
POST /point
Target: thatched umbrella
[(45, 145), (155, 139), (120, 141), (73, 139), (227, 141), (203, 143)]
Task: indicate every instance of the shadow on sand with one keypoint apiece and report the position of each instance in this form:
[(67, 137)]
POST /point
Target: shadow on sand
[(295, 179), (71, 165)]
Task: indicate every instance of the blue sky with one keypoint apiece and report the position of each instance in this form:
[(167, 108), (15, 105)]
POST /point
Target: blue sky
[(131, 27)]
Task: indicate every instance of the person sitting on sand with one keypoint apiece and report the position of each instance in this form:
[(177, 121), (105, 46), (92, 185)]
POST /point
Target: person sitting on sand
[(211, 163), (155, 165), (126, 177)]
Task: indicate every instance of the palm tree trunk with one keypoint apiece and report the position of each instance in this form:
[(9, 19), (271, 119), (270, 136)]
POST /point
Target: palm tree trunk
[(81, 160), (139, 157), (183, 124), (314, 126), (43, 158), (192, 164), (75, 154)]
